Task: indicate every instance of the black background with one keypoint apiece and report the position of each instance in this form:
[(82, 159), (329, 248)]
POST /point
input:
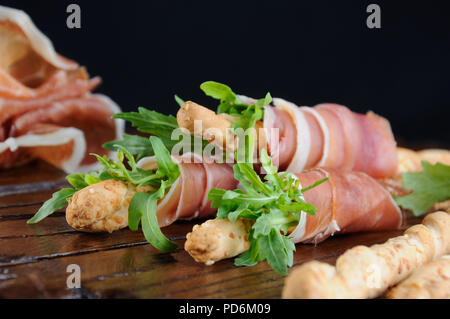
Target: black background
[(304, 51)]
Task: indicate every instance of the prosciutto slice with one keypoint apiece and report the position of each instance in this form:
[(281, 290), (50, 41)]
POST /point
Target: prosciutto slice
[(330, 135), (46, 108), (188, 196), (348, 202)]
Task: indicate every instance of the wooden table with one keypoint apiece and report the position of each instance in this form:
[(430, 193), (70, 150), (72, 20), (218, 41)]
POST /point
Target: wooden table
[(34, 258)]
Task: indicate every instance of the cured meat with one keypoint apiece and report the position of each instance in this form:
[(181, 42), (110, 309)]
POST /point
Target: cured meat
[(330, 135), (188, 196), (46, 108), (348, 202)]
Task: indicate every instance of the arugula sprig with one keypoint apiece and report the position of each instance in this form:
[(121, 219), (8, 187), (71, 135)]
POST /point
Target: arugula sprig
[(143, 205), (274, 206), (231, 104), (145, 121), (138, 176), (156, 124), (152, 122), (430, 186)]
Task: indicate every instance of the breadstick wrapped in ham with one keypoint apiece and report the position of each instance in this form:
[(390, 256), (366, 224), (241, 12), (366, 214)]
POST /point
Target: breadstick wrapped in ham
[(366, 272), (46, 108), (104, 206), (157, 190), (299, 138), (347, 202), (431, 281)]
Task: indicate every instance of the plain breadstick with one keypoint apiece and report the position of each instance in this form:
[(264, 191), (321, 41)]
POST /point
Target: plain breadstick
[(215, 128), (431, 281), (366, 272)]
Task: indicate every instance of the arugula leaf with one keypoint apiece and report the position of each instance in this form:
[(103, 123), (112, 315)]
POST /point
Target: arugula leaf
[(430, 186), (135, 144), (253, 113), (229, 101), (156, 124), (166, 166), (278, 250), (58, 201), (274, 206), (231, 104), (151, 122), (78, 180), (143, 207)]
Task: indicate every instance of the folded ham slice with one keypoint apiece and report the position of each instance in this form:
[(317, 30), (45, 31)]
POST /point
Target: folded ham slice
[(348, 202), (330, 135), (188, 196), (46, 108)]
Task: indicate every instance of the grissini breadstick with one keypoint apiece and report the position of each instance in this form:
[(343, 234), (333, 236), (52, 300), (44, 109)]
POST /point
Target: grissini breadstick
[(366, 272), (217, 239), (409, 160), (431, 281), (101, 207), (215, 128)]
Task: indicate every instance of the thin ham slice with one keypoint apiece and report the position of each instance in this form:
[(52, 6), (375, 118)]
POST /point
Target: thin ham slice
[(330, 135), (348, 202), (188, 196), (46, 108)]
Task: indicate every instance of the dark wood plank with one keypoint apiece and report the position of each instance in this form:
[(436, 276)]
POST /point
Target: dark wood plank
[(139, 271), (18, 228), (34, 172), (27, 199), (31, 248), (34, 258)]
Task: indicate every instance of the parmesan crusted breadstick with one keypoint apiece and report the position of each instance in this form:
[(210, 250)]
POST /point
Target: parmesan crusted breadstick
[(431, 281), (217, 239), (410, 161), (435, 155), (101, 207), (366, 272)]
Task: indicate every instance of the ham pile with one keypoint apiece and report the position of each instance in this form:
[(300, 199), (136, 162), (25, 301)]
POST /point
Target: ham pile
[(348, 202), (188, 196), (46, 108), (329, 135)]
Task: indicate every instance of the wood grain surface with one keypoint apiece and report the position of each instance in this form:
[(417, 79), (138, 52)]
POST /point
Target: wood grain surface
[(34, 258)]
